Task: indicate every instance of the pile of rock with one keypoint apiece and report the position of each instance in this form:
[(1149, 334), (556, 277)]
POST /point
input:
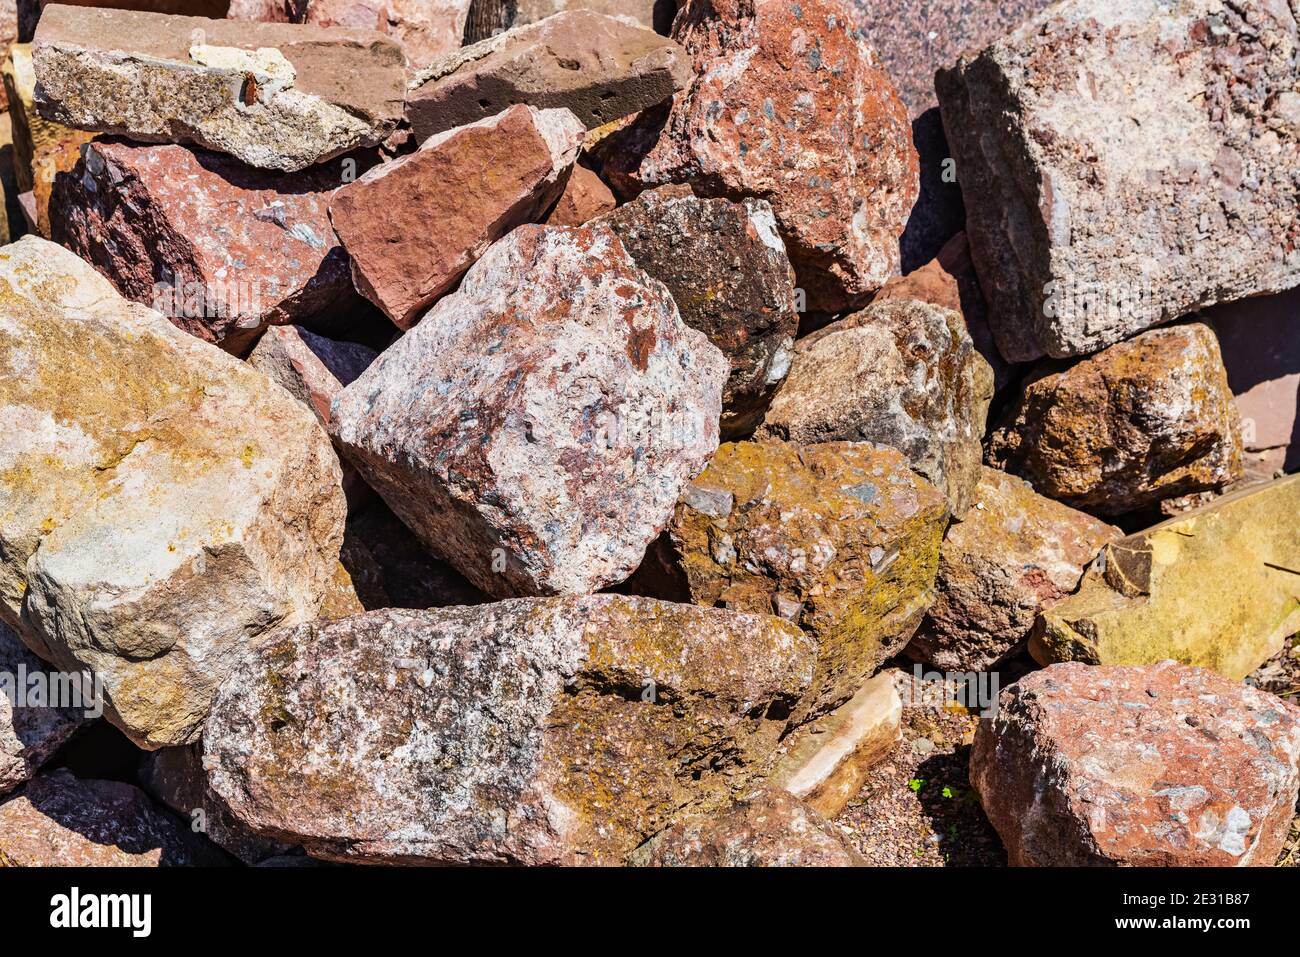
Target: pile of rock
[(505, 436)]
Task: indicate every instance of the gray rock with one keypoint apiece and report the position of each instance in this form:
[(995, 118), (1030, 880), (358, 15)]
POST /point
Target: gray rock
[(31, 730)]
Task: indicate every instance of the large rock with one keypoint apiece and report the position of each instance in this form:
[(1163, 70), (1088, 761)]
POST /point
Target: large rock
[(1144, 420), (160, 501), (276, 96), (29, 11), (902, 373), (584, 198), (598, 67), (788, 104), (536, 427), (1124, 162), (840, 538), (413, 226), (1013, 555), (426, 29), (727, 270), (1157, 766), (531, 731), (36, 716), (59, 820), (769, 828), (220, 249), (1217, 587)]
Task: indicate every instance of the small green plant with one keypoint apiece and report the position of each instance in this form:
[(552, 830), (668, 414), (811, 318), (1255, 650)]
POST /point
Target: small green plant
[(916, 784)]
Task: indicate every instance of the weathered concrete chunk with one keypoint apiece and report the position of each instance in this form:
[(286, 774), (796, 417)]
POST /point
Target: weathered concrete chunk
[(1124, 162), (727, 270), (426, 29), (598, 67), (59, 820), (413, 226), (1144, 420), (311, 368), (220, 249), (840, 538), (32, 728), (1217, 587), (160, 501), (584, 198), (770, 828), (902, 373), (1013, 555), (536, 427), (277, 96), (530, 731), (1162, 765), (825, 762), (790, 105)]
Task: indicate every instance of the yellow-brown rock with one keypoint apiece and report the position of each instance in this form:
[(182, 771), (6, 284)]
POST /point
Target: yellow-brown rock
[(1217, 587), (841, 538)]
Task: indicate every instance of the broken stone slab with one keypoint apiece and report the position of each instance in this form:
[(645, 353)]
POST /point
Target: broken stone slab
[(595, 66), (728, 272), (825, 763), (1124, 163), (584, 198), (840, 538), (309, 367), (536, 427), (1217, 587), (220, 249), (770, 828), (529, 731), (270, 94), (476, 182), (175, 777), (788, 104), (125, 552), (1161, 765), (1015, 553), (29, 11), (902, 373), (426, 29), (1148, 419), (37, 712), (59, 820)]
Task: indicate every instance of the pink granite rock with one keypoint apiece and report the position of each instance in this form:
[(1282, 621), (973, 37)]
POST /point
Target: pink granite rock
[(536, 428), (221, 249), (788, 104), (426, 29), (413, 226), (311, 368), (1159, 765)]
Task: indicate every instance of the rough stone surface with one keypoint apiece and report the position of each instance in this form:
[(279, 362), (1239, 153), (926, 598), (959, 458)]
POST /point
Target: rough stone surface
[(825, 762), (426, 29), (29, 11), (536, 427), (1217, 587), (476, 183), (1013, 555), (276, 96), (584, 198), (902, 373), (1144, 420), (1124, 162), (839, 538), (728, 272), (160, 502), (311, 368), (61, 821), (530, 731), (770, 828), (654, 15), (790, 105), (175, 777), (220, 249), (1155, 766), (598, 67), (30, 730)]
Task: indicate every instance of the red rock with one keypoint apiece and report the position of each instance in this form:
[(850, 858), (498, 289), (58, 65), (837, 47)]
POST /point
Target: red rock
[(61, 821), (1160, 765), (413, 226), (536, 427), (788, 104), (221, 249), (426, 29), (584, 198), (311, 368)]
